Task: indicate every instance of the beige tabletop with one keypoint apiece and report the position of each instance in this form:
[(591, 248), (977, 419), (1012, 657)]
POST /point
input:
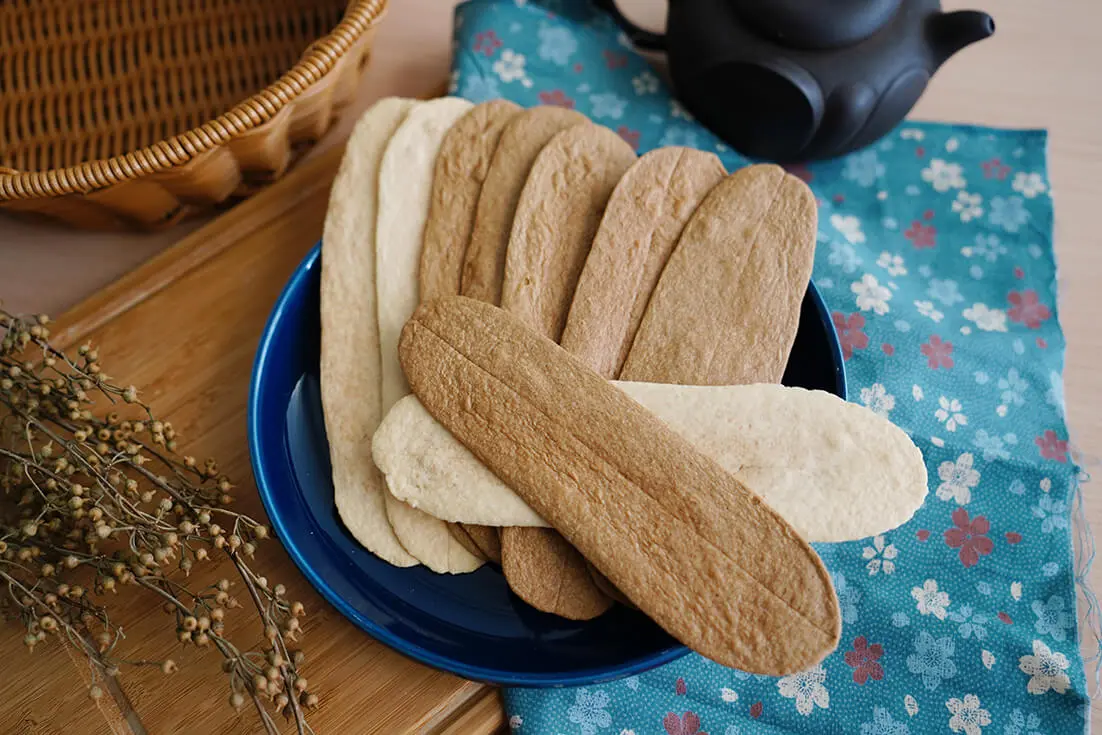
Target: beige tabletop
[(1043, 68)]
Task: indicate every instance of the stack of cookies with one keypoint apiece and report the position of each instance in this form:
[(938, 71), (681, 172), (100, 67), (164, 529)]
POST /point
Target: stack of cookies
[(542, 351)]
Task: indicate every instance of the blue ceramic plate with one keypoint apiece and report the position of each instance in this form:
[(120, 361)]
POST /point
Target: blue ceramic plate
[(470, 624)]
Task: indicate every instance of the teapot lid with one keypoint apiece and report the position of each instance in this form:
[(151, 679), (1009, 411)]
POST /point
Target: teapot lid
[(821, 24)]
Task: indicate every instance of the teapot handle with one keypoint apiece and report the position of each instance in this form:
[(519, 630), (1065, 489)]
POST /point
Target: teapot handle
[(641, 37)]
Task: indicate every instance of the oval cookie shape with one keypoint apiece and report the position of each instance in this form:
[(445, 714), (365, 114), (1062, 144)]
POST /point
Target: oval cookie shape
[(726, 308), (461, 167), (521, 141), (349, 366), (644, 218), (557, 216), (687, 543), (549, 574), (405, 188), (836, 471)]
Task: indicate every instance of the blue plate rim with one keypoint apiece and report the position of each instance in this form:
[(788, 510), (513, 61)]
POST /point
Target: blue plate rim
[(286, 536)]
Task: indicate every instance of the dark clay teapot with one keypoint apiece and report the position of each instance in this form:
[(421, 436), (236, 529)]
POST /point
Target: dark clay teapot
[(797, 80)]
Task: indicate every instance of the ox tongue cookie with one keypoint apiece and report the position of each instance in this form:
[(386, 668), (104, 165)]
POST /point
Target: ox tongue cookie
[(644, 219), (521, 141), (783, 443), (405, 190), (652, 514), (461, 168), (557, 216), (727, 306), (350, 379)]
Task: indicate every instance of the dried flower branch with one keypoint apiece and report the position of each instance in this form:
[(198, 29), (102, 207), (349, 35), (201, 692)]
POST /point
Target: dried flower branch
[(90, 504)]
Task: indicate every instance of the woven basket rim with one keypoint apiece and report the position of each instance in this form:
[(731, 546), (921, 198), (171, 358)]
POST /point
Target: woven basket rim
[(317, 60)]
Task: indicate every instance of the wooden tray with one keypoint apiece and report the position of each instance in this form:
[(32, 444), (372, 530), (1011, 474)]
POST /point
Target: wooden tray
[(184, 327)]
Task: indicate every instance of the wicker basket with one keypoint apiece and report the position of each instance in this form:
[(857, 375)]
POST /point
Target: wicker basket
[(134, 113)]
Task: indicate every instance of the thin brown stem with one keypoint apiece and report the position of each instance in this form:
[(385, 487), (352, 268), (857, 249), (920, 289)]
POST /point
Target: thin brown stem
[(288, 676)]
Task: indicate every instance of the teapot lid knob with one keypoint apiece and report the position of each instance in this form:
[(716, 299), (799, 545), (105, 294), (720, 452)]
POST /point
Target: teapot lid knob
[(822, 24)]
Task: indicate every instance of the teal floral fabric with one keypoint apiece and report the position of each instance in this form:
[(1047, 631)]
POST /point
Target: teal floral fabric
[(935, 256)]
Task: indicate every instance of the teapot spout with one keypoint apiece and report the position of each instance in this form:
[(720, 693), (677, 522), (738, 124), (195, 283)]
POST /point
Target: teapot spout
[(948, 33)]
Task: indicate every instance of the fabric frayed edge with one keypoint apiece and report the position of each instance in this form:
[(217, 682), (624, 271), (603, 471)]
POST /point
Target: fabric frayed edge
[(1084, 551)]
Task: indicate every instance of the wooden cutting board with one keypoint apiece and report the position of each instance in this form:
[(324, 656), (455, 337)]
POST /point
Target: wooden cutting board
[(184, 328)]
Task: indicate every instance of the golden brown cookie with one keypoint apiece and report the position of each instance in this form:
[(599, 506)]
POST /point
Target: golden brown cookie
[(695, 550), (521, 141), (726, 308), (556, 218), (602, 583), (465, 540), (487, 539), (461, 167), (646, 213), (566, 592)]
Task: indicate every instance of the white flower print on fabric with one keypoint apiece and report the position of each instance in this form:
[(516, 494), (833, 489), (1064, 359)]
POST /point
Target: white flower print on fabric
[(645, 83), (881, 556), (1045, 669), (930, 600), (863, 168), (912, 134), (988, 247), (949, 412), (728, 695), (987, 658), (932, 659), (883, 724), (917, 393), (1009, 214), (993, 446), (1052, 513), (557, 44), (946, 291), (1054, 396), (910, 704), (480, 88), (677, 111), (877, 399), (515, 721), (679, 136), (590, 711), (944, 176), (1052, 618), (957, 479), (807, 689), (893, 264), (986, 318), (510, 66), (849, 226), (607, 104), (968, 206), (844, 256), (927, 309), (971, 624), (1028, 185), (967, 716), (1023, 724), (1016, 590), (848, 597), (871, 295), (1013, 388)]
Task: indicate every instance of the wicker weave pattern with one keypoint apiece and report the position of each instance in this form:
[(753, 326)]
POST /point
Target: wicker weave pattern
[(179, 103)]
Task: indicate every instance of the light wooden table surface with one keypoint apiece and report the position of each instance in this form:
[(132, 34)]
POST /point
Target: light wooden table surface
[(1043, 68)]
